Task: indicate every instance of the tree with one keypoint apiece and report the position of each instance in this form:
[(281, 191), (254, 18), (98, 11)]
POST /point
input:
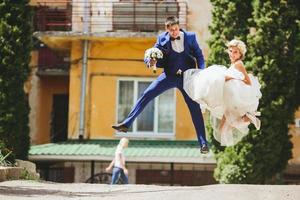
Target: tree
[(229, 21), (274, 53), (273, 57), (15, 47)]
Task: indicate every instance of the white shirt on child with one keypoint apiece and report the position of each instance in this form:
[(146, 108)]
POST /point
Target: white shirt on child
[(119, 156)]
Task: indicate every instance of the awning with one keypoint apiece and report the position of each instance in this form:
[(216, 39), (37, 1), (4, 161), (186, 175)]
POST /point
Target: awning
[(138, 151)]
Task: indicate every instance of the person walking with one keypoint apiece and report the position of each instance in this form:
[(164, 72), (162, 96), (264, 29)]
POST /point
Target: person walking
[(117, 165)]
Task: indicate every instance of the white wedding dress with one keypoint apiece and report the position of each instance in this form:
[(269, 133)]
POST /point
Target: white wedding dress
[(232, 99)]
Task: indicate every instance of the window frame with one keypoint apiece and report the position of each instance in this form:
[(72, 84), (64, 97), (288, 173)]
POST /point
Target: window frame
[(144, 134)]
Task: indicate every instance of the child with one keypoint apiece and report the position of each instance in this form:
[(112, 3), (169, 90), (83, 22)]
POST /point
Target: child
[(118, 163), (231, 95)]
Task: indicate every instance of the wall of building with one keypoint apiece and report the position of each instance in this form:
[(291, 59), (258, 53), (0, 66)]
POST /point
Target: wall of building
[(53, 2), (40, 91), (82, 170), (110, 59), (198, 19), (102, 79), (32, 89), (40, 115), (295, 133)]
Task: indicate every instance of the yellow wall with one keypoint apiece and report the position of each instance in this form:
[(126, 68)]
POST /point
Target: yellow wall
[(48, 2), (40, 116), (184, 127), (48, 87), (40, 90), (102, 79), (102, 89)]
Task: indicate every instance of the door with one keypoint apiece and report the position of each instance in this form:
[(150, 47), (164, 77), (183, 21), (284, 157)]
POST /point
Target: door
[(59, 118)]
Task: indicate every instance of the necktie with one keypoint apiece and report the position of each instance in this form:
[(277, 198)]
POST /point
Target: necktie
[(178, 38)]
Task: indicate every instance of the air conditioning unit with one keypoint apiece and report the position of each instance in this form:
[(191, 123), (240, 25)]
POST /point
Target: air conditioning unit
[(297, 122)]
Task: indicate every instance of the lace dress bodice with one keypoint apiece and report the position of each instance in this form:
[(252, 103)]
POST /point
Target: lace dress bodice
[(235, 73)]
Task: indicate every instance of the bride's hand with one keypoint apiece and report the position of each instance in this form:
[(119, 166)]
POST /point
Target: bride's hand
[(247, 82), (227, 78)]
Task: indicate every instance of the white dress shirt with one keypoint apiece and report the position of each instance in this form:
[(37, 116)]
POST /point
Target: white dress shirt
[(178, 45)]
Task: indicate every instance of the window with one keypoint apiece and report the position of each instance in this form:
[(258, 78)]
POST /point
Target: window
[(158, 117)]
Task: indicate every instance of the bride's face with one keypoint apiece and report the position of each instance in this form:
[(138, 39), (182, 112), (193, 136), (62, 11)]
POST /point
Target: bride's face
[(234, 54)]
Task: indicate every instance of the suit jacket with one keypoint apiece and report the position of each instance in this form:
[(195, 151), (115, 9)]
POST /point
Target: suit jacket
[(191, 49)]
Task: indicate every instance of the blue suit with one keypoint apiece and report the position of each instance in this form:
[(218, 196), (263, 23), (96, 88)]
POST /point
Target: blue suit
[(191, 50), (172, 62)]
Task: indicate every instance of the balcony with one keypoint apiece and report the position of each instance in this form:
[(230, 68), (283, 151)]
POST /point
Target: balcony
[(107, 16), (52, 63), (50, 18)]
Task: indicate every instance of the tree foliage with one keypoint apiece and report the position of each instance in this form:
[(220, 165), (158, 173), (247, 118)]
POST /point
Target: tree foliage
[(273, 56), (229, 20), (15, 47)]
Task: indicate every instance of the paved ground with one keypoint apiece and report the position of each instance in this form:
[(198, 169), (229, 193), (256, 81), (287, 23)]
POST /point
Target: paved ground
[(17, 190)]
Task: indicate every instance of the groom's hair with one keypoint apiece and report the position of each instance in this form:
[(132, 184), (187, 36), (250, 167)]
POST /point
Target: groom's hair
[(170, 21)]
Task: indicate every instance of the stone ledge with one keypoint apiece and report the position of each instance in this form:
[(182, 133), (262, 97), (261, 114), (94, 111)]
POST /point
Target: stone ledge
[(10, 173), (23, 170)]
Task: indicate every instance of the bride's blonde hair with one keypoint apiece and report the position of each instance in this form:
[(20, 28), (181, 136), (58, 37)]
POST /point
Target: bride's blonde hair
[(240, 45)]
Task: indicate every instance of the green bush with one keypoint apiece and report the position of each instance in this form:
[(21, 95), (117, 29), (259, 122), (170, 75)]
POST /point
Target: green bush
[(230, 174), (6, 156), (25, 175)]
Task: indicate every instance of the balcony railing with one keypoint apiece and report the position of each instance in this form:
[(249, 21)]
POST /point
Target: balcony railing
[(110, 15), (50, 18), (52, 63)]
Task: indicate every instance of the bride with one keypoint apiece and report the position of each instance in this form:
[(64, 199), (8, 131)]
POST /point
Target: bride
[(230, 94)]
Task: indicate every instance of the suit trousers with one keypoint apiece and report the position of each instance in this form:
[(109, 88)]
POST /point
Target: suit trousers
[(158, 86)]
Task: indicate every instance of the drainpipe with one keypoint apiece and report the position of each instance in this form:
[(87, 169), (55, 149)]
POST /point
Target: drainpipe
[(84, 70)]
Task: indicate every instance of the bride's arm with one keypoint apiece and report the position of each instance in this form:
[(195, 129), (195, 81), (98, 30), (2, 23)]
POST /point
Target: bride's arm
[(227, 78), (239, 66)]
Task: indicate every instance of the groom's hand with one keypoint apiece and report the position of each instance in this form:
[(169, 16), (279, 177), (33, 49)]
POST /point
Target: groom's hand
[(152, 62)]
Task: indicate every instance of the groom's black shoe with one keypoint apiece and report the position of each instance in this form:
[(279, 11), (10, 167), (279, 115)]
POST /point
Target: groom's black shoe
[(120, 127), (204, 149)]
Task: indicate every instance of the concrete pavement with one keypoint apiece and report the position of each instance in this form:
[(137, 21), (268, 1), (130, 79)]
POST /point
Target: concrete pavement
[(20, 189)]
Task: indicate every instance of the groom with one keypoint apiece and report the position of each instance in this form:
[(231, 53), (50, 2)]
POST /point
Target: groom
[(180, 52)]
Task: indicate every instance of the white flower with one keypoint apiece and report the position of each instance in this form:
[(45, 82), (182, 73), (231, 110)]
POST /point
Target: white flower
[(153, 53)]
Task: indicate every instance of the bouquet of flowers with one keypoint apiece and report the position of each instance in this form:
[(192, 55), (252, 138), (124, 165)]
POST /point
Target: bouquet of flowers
[(154, 54)]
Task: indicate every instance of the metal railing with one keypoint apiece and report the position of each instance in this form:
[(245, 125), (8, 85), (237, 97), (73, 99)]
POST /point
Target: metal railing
[(48, 18), (110, 15), (50, 61)]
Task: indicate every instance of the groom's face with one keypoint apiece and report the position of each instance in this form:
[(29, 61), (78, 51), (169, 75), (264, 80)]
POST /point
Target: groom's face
[(174, 30)]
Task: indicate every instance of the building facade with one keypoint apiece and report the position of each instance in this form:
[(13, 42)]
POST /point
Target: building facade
[(101, 43), (88, 71)]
